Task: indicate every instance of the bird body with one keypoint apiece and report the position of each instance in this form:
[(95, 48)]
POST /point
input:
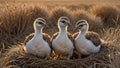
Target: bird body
[(38, 45), (85, 46), (62, 42), (86, 42)]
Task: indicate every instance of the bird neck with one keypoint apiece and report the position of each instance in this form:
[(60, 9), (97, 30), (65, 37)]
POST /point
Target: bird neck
[(84, 30), (38, 33), (63, 31), (82, 33)]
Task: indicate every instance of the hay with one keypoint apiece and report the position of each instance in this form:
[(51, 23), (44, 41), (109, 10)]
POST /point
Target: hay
[(109, 14), (107, 57), (21, 59), (16, 21)]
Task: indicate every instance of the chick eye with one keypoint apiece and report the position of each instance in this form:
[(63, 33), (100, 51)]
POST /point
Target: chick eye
[(81, 25), (39, 22), (63, 21)]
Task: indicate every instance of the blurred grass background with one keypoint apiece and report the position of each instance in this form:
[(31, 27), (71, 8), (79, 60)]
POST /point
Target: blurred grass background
[(16, 22)]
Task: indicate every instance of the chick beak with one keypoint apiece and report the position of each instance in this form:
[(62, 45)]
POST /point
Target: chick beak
[(46, 25), (69, 24)]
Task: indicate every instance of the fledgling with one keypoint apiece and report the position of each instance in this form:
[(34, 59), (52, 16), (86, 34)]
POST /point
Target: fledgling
[(87, 43), (38, 43), (62, 41)]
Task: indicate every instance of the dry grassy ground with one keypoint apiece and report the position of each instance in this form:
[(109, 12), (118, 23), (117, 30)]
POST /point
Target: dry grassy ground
[(16, 22)]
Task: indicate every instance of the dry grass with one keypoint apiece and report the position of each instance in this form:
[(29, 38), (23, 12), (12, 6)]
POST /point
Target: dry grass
[(80, 6), (112, 35), (16, 22), (109, 14)]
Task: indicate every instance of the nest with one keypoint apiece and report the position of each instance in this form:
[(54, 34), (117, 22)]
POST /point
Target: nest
[(20, 59)]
